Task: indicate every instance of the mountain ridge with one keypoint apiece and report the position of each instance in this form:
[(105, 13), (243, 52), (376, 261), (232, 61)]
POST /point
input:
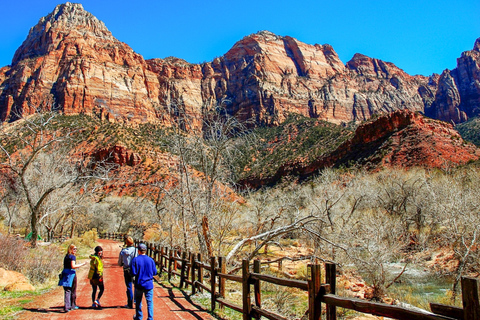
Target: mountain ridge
[(72, 63)]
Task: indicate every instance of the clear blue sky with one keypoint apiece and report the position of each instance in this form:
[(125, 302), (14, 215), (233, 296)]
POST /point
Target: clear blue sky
[(419, 36)]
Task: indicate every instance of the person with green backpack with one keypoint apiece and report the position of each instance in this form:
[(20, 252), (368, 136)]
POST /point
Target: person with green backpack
[(96, 276)]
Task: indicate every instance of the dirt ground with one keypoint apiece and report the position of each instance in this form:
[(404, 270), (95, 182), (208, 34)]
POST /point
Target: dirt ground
[(168, 304)]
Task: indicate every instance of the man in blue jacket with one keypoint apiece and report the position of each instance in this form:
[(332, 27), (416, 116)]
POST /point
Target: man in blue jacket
[(143, 268)]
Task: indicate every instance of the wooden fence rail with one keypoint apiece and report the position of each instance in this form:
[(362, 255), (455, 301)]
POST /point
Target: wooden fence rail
[(191, 269)]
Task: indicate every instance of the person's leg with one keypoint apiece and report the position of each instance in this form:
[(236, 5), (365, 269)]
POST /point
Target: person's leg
[(73, 301), (94, 292), (68, 298), (138, 304), (100, 293), (128, 284), (149, 298)]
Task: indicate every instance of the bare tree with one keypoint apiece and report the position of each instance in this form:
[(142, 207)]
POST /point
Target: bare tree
[(457, 205), (36, 157), (203, 156)]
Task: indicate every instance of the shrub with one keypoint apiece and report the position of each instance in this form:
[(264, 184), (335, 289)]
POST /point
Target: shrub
[(36, 264), (153, 234), (13, 252), (43, 264), (89, 238)]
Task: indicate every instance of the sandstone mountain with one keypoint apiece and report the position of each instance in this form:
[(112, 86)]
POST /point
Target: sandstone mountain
[(71, 62)]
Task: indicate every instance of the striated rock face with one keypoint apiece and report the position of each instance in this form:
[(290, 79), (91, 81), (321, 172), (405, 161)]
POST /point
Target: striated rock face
[(265, 77), (71, 62), (119, 155)]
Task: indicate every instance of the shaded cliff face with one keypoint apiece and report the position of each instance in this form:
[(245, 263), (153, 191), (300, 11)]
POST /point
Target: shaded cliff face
[(458, 95), (71, 62)]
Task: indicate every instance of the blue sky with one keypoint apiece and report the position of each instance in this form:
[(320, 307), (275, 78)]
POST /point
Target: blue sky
[(419, 36)]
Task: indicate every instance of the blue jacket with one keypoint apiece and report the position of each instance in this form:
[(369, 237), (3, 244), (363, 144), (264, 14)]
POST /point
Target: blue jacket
[(143, 268), (67, 278)]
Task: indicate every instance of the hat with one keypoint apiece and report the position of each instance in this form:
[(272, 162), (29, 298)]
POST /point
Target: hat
[(129, 241), (98, 249), (142, 247)]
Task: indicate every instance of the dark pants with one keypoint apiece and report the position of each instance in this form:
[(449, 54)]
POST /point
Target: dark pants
[(71, 295), (129, 283), (97, 283)]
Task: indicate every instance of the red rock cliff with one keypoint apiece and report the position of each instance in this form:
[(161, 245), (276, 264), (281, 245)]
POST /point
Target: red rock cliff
[(71, 62)]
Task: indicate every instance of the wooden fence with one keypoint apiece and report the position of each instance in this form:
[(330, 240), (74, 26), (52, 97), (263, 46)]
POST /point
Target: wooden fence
[(190, 268)]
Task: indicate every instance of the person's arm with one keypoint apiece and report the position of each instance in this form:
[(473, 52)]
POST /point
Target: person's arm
[(75, 265), (120, 260), (155, 272), (133, 267)]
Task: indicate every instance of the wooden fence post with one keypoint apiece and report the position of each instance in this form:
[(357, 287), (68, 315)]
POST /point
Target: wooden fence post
[(331, 279), (247, 304), (163, 258), (314, 305), (213, 284), (193, 273), (170, 260), (200, 271), (156, 254), (176, 254), (470, 297), (221, 280), (256, 286), (183, 269), (188, 269)]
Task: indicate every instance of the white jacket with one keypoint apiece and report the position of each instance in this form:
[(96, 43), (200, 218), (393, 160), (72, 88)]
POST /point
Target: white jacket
[(126, 255)]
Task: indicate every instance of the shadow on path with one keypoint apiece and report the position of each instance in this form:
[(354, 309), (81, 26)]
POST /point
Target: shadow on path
[(192, 308)]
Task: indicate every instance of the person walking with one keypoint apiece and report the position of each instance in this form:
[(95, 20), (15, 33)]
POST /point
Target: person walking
[(69, 278), (96, 276), (125, 259), (143, 269)]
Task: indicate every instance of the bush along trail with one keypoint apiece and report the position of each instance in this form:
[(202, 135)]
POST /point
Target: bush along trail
[(168, 305)]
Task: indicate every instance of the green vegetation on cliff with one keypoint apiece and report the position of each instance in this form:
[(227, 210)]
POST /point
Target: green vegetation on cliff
[(298, 139), (470, 130)]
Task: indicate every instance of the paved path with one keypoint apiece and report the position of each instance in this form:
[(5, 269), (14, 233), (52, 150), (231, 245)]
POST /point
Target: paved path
[(168, 304)]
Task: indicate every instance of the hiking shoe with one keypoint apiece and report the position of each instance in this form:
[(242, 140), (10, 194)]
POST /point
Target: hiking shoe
[(94, 305), (98, 303), (75, 308)]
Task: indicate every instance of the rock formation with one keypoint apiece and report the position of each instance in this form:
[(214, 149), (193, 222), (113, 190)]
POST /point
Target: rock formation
[(406, 139), (14, 281), (458, 95), (71, 62), (401, 139)]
